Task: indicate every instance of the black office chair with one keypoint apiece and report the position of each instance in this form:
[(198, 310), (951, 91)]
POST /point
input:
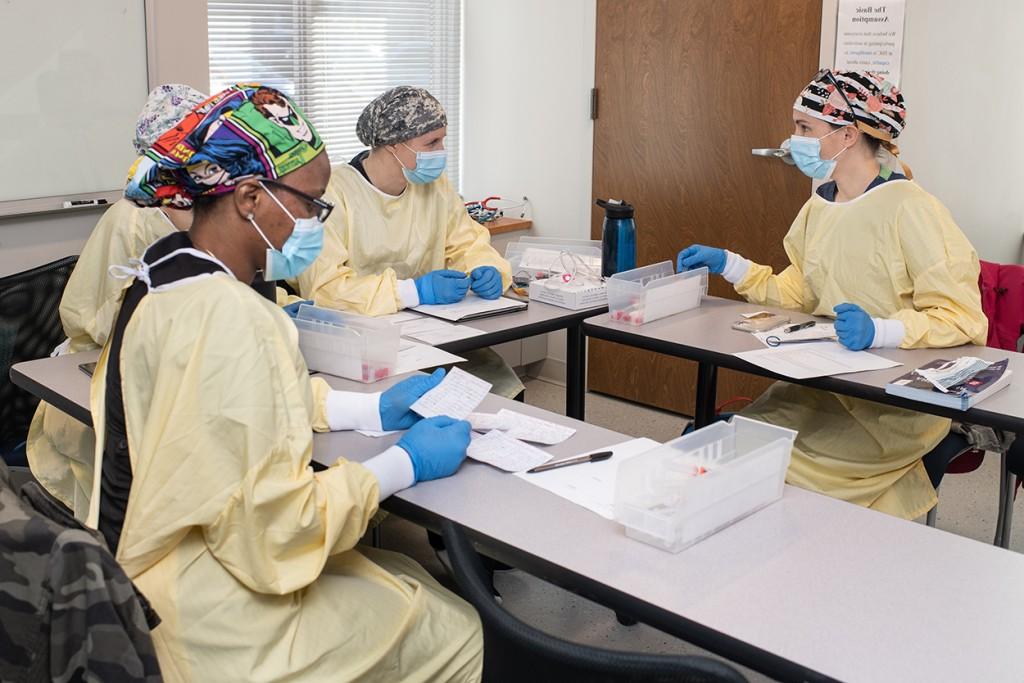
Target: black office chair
[(515, 651), (30, 328)]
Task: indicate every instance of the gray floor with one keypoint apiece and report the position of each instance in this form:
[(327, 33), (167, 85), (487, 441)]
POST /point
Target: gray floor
[(967, 507)]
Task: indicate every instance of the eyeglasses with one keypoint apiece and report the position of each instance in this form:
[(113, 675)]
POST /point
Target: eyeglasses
[(321, 208), (827, 74)]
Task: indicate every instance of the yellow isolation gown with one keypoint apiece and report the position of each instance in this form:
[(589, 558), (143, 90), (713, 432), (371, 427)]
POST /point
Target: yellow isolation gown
[(249, 556), (372, 240), (896, 252), (59, 447)]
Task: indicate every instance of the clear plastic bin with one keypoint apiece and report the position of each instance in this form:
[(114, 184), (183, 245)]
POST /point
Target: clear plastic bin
[(646, 294), (347, 345), (687, 489)]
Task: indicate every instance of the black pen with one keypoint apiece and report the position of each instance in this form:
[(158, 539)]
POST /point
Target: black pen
[(802, 326), (591, 457)]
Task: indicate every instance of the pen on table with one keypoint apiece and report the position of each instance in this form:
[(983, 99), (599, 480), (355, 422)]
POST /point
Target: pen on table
[(802, 326), (590, 457)]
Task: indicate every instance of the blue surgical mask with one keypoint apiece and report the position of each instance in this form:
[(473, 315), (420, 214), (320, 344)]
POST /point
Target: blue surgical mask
[(429, 166), (299, 250), (806, 153)]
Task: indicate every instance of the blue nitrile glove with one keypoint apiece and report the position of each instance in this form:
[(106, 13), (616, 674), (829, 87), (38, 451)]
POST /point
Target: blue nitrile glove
[(442, 287), (436, 446), (293, 309), (485, 281), (854, 327), (698, 256), (395, 402)]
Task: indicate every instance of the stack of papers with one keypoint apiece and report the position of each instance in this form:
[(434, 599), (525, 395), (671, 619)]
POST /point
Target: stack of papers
[(504, 452), (458, 395), (519, 426), (591, 484), (816, 359)]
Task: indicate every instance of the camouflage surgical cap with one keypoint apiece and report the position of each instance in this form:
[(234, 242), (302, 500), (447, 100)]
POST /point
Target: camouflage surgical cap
[(398, 115)]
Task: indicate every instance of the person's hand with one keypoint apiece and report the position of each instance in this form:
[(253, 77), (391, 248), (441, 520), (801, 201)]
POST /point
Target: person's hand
[(485, 281), (698, 256), (442, 287), (293, 309), (436, 446), (854, 327), (395, 402)]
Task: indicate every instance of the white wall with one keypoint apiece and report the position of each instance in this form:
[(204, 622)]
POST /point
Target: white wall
[(528, 71), (963, 89), (176, 40)]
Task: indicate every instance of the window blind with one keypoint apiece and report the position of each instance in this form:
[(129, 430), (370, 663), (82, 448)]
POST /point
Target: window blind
[(334, 56)]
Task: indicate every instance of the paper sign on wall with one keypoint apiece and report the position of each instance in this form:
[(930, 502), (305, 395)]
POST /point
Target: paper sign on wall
[(869, 37)]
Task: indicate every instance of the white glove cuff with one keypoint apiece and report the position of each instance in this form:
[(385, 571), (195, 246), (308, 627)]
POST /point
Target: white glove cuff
[(393, 469), (736, 267), (408, 294), (889, 333), (352, 410)]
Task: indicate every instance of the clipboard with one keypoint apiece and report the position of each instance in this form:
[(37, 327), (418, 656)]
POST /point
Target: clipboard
[(473, 308)]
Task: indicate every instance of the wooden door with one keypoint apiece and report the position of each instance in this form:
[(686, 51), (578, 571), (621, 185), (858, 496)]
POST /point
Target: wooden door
[(686, 88)]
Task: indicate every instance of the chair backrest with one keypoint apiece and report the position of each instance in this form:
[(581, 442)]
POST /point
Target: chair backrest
[(1002, 300), (30, 328), (515, 651)]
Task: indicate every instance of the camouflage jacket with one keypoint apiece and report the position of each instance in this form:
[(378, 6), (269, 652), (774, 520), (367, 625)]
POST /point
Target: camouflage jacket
[(67, 610)]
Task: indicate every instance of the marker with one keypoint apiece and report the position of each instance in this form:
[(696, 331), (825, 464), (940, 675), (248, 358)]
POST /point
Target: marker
[(84, 202), (579, 459)]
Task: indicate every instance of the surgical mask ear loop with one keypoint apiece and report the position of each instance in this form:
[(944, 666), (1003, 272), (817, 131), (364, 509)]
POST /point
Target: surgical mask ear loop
[(399, 160)]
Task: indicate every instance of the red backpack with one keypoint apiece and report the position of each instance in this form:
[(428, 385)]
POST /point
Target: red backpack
[(1002, 300)]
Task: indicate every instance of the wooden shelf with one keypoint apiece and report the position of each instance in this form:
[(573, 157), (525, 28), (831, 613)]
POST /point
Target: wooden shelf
[(503, 225)]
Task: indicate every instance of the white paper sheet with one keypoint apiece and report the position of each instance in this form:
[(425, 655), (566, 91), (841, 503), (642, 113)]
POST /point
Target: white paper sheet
[(523, 427), (817, 359), (433, 331), (822, 331), (414, 356), (400, 317), (504, 452), (470, 306), (591, 484), (457, 396)]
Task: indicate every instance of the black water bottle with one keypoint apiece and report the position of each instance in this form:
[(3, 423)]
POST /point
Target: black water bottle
[(618, 237)]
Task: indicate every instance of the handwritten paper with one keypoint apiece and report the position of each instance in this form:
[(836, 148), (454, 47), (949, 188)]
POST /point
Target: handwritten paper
[(520, 426), (458, 395), (504, 452)]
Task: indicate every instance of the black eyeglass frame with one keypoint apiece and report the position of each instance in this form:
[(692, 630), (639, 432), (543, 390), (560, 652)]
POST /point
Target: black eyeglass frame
[(324, 208)]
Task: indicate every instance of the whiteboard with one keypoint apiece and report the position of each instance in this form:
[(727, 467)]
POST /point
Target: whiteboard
[(74, 79)]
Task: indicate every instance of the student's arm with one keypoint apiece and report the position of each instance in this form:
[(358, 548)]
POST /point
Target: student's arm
[(332, 283), (467, 243), (759, 285), (944, 269)]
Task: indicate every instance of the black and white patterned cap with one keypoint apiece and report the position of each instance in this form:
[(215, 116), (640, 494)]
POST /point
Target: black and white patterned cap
[(400, 114)]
